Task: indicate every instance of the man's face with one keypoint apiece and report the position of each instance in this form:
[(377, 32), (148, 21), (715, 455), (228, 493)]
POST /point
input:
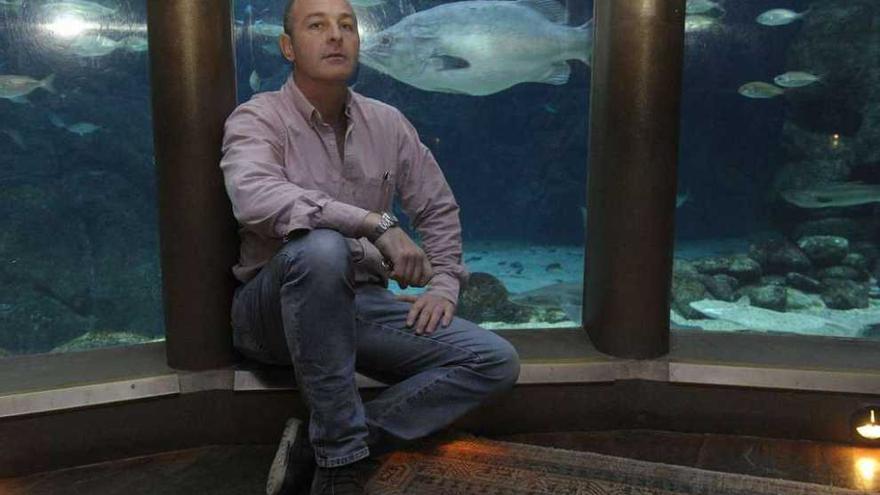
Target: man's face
[(325, 40)]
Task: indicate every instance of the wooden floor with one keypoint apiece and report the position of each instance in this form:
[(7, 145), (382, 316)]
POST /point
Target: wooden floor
[(222, 470)]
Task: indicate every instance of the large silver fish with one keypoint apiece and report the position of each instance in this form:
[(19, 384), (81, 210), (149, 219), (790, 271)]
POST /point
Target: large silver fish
[(480, 47), (834, 195), (80, 8)]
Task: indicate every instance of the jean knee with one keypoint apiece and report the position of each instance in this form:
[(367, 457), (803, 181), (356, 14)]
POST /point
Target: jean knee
[(323, 251), (505, 363)]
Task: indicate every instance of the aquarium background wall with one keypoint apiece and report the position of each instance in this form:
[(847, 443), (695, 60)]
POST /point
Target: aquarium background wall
[(79, 258)]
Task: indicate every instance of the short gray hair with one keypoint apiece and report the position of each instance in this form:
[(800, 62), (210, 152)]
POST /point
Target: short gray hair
[(287, 9)]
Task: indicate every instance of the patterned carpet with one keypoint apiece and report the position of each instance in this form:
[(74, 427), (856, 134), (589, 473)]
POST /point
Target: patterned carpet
[(462, 464)]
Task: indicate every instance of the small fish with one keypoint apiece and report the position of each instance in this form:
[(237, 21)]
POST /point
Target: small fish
[(134, 43), (553, 267), (83, 128), (550, 108), (12, 86), (703, 7), (20, 100), (697, 22), (779, 17), (795, 79), (254, 81), (682, 198), (834, 195), (265, 29), (758, 89), (56, 120), (15, 136), (93, 45)]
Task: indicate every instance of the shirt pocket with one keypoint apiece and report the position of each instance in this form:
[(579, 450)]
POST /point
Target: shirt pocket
[(383, 187)]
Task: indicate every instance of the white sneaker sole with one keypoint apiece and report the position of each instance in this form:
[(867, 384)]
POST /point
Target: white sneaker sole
[(279, 464)]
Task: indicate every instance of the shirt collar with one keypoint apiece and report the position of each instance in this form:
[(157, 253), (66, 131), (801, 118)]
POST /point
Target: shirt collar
[(305, 107)]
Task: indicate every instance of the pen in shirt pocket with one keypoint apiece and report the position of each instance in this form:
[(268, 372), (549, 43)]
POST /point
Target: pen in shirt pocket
[(385, 190)]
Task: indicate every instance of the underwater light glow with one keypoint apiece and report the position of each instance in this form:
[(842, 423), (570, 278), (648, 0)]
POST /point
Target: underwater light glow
[(67, 26)]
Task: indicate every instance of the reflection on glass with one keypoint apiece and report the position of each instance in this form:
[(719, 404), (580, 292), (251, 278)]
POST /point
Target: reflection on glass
[(499, 96), (779, 153), (79, 263)]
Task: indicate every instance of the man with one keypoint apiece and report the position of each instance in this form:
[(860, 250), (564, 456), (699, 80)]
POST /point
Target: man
[(311, 171)]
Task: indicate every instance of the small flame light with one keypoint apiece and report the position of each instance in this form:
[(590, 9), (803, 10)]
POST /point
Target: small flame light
[(835, 140), (865, 423)]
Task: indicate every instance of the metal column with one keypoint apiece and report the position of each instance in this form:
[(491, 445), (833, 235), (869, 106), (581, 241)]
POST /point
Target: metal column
[(192, 71), (631, 186)]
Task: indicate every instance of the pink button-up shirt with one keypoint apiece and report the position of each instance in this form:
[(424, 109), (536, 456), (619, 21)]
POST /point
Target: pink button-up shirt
[(283, 172)]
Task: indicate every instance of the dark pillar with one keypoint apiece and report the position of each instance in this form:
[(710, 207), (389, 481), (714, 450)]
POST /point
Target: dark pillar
[(192, 71), (634, 120)]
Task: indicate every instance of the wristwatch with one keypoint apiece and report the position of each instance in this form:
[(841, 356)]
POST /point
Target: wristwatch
[(387, 221)]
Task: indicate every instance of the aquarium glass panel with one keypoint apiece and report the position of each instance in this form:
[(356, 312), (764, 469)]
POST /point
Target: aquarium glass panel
[(500, 97), (779, 176), (79, 263)]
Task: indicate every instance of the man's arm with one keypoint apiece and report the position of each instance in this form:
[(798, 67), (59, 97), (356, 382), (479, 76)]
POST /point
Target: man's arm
[(263, 199), (429, 203)]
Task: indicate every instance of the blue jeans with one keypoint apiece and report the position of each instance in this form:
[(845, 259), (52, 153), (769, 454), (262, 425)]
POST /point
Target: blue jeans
[(303, 308)]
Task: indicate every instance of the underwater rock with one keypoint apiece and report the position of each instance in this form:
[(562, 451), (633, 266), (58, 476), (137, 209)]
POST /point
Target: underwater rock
[(856, 261), (779, 256), (98, 339), (872, 332), (765, 296), (824, 249), (772, 280), (868, 249), (741, 267), (850, 228), (723, 287), (803, 282), (553, 267), (686, 288), (484, 298), (841, 271), (797, 300), (844, 294)]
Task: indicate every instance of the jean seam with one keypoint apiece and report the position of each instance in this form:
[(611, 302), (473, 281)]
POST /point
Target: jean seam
[(476, 357), (415, 395)]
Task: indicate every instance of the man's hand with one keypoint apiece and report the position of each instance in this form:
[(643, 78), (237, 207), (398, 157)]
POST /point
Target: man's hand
[(411, 265), (427, 311)]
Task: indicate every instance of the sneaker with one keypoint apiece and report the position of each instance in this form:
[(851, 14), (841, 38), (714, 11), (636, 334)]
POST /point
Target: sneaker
[(294, 463), (349, 479)]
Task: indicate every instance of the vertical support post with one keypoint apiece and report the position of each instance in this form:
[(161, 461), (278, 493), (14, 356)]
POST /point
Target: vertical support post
[(634, 121), (192, 73)]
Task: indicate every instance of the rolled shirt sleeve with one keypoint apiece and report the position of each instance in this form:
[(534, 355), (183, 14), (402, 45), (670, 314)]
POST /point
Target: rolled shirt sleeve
[(433, 211), (263, 199)]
